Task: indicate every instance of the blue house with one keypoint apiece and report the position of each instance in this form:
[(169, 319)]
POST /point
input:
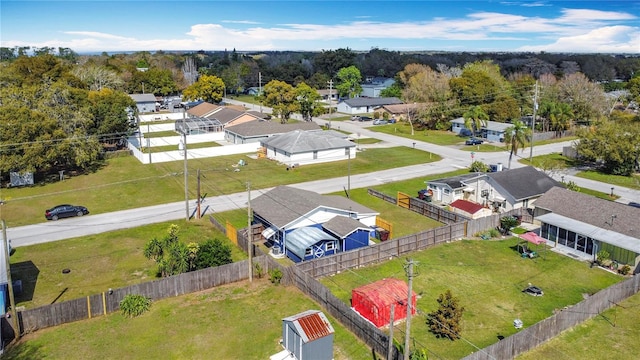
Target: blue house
[(305, 225)]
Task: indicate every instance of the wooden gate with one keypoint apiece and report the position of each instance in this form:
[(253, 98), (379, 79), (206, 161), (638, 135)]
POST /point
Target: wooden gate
[(232, 233), (403, 200)]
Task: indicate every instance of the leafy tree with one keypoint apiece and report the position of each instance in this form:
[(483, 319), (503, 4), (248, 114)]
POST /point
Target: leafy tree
[(98, 77), (444, 322), (281, 97), (110, 120), (213, 252), (330, 61), (349, 80), (209, 88), (615, 146), (307, 99), (559, 116), (516, 137), (475, 118)]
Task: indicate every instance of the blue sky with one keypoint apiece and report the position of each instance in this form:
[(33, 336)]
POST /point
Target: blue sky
[(553, 26)]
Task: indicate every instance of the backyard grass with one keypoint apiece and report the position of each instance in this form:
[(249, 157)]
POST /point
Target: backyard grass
[(488, 277), (156, 149), (237, 321), (438, 137), (612, 334), (125, 183), (159, 134), (97, 262)]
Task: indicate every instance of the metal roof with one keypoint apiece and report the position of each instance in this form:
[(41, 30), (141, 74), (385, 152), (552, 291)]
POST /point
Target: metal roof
[(594, 232), (366, 101), (143, 98), (310, 325), (299, 240)]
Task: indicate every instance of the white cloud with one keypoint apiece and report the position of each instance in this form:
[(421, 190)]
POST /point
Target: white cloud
[(610, 39), (574, 30)]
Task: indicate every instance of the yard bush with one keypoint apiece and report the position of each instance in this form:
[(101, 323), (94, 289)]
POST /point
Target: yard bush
[(134, 305), (444, 322), (275, 275), (213, 252)]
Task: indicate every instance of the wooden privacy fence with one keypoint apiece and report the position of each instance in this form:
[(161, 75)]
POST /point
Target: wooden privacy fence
[(539, 333), (363, 329), (382, 251), (109, 301)]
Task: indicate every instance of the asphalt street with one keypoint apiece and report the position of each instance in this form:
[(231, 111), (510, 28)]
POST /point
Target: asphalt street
[(453, 159)]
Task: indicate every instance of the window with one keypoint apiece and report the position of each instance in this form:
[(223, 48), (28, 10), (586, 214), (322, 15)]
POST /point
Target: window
[(307, 252), (315, 155), (330, 245), (347, 151), (446, 191)]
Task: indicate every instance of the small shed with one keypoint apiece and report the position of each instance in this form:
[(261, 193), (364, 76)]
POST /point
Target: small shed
[(308, 335), (373, 301)]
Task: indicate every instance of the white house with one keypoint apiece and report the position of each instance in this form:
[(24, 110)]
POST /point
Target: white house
[(308, 147), (363, 105)]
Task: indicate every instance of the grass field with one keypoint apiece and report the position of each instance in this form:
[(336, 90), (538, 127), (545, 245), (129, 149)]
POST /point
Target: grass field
[(488, 277), (124, 183), (237, 321), (610, 335)]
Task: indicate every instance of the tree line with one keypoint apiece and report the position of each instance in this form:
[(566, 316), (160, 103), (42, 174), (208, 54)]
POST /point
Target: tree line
[(81, 100)]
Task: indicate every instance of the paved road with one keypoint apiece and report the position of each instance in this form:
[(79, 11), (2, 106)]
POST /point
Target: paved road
[(453, 159)]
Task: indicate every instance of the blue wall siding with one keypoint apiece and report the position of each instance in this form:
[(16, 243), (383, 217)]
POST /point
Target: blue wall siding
[(356, 240)]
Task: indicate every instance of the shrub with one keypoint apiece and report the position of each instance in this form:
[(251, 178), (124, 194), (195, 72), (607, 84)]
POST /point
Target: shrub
[(494, 233), (479, 166), (625, 270), (602, 256), (275, 275), (259, 271), (508, 222), (134, 305), (445, 321), (213, 252)]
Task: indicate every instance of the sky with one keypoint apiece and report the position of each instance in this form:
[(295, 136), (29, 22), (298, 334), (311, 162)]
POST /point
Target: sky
[(584, 26)]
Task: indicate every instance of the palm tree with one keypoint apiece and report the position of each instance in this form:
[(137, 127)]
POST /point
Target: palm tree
[(475, 118), (516, 136)]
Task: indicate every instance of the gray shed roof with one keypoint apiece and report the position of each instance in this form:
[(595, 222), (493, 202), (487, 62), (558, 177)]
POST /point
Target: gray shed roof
[(284, 204), (367, 101), (298, 141), (523, 183), (299, 240), (590, 210), (343, 226), (258, 127)]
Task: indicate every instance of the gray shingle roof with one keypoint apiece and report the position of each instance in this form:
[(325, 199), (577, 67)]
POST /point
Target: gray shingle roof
[(455, 182), (342, 226), (225, 115), (591, 210), (365, 101), (284, 204), (524, 183), (298, 141)]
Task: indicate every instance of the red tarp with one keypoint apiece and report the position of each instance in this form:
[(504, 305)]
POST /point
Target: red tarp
[(533, 238)]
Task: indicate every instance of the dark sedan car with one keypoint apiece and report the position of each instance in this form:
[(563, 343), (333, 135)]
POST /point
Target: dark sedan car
[(64, 211), (473, 141)]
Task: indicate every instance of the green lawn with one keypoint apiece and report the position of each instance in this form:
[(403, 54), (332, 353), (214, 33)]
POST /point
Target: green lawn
[(488, 277), (613, 334), (125, 183), (236, 321), (632, 182), (156, 149), (159, 134), (97, 262), (403, 129)]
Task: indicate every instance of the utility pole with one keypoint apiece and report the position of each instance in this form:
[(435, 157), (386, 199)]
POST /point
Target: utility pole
[(198, 210), (186, 173), (12, 300), (533, 121), (260, 89), (409, 267), (390, 346), (249, 233), (330, 102)]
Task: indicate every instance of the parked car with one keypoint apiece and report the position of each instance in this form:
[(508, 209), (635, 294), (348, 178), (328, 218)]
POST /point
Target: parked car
[(392, 121), (355, 118), (365, 118), (634, 204), (379, 122), (465, 132), (64, 211), (473, 141)]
